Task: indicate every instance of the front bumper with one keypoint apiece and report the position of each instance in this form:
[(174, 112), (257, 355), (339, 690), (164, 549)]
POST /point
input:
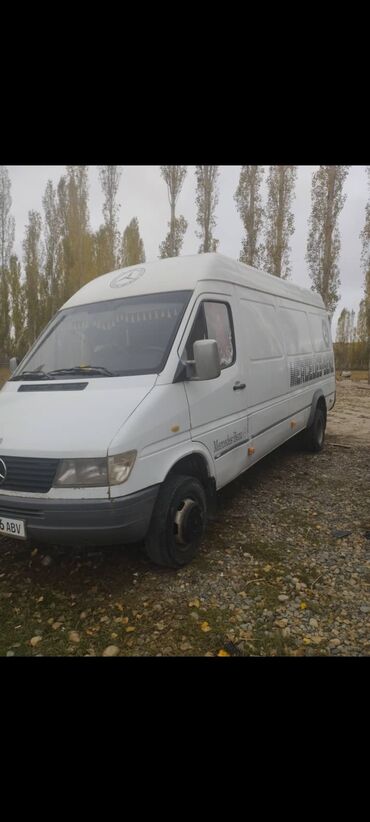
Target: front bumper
[(90, 522)]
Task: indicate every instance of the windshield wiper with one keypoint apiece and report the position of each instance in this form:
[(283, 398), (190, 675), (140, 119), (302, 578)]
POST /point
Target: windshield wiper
[(89, 370), (30, 375)]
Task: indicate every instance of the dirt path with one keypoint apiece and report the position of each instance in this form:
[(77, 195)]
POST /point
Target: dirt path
[(350, 420), (284, 569)]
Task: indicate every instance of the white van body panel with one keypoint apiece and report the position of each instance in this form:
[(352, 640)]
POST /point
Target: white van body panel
[(177, 273), (149, 431), (44, 424)]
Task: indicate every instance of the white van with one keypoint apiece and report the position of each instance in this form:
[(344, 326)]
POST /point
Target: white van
[(153, 387)]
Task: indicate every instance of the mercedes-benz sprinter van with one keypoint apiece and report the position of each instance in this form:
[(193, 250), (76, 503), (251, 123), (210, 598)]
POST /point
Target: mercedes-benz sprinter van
[(151, 388)]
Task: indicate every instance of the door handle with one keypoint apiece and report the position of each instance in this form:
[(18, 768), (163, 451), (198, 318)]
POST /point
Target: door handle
[(239, 386)]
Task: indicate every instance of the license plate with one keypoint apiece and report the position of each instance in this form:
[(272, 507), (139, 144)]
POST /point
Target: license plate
[(12, 528)]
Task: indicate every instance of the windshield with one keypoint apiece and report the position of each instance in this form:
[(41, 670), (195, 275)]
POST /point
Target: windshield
[(114, 338)]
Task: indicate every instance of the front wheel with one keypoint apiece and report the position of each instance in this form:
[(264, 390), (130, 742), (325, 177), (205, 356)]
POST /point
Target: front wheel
[(178, 522), (314, 436)]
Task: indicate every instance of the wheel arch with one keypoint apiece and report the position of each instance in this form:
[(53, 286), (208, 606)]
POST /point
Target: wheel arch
[(318, 401), (193, 464)]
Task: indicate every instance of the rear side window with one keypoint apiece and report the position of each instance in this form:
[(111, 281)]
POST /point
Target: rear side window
[(320, 332), (213, 322)]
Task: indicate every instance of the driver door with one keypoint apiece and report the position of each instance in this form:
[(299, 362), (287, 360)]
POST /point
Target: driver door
[(218, 407)]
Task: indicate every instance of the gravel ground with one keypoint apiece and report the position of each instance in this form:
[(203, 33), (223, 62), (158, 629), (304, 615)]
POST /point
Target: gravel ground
[(284, 569)]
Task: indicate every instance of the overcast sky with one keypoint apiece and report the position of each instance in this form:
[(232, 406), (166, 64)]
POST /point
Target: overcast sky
[(143, 194)]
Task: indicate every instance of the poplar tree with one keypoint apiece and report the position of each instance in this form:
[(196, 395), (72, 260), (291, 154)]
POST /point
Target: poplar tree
[(361, 327), (365, 260), (206, 201), (132, 249), (352, 327), (249, 204), (343, 327), (279, 219), (102, 259), (174, 177), (53, 271), (110, 177), (18, 309), (323, 246), (32, 258), (76, 236), (7, 229)]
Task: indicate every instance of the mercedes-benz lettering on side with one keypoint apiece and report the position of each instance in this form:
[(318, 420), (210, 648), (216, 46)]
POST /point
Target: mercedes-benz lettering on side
[(149, 390)]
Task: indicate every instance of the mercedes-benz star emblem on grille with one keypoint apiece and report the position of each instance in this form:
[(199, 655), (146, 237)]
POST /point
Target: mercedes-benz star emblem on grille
[(3, 471)]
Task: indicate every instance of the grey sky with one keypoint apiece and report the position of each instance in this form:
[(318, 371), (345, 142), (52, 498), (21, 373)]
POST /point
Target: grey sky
[(143, 194)]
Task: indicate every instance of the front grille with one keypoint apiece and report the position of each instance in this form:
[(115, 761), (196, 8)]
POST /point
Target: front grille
[(28, 474)]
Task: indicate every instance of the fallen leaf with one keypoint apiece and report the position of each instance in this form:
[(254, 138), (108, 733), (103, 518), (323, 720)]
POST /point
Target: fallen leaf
[(303, 605), (35, 641), (194, 603), (205, 627), (74, 636), (56, 625), (111, 650), (223, 653), (40, 599), (130, 629)]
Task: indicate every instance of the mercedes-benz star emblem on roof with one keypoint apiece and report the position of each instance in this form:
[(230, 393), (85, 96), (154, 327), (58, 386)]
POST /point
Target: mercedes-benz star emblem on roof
[(127, 277)]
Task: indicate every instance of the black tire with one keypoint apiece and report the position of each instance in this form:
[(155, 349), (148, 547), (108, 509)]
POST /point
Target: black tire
[(178, 522), (314, 436)]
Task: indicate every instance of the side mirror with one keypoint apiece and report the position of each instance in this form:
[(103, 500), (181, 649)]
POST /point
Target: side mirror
[(13, 364), (206, 360)]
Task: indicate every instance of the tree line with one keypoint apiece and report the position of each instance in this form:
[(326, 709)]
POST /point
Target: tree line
[(61, 252)]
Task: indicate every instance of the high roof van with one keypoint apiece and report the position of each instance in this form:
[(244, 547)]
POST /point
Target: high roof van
[(151, 388)]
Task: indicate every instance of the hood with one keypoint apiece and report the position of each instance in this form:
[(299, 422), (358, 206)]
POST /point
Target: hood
[(71, 423)]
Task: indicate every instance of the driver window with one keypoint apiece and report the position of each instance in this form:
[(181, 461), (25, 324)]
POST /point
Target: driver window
[(213, 322), (198, 332)]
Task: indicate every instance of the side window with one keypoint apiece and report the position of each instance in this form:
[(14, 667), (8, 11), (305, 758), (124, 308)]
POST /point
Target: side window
[(198, 332), (213, 322)]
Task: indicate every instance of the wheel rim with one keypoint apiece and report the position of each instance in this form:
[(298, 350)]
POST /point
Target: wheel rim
[(188, 522)]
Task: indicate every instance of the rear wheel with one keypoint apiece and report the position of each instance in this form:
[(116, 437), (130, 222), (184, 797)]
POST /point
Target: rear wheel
[(314, 436), (178, 522)]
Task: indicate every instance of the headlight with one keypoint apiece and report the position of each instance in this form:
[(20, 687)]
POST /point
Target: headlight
[(120, 467), (82, 473)]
